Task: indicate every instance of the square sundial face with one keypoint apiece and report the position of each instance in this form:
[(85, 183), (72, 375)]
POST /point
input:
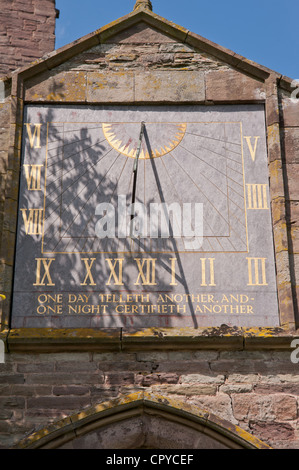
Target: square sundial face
[(194, 250)]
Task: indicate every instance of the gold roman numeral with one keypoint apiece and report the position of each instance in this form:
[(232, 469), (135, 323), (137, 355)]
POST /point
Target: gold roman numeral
[(33, 177), (33, 219), (172, 267), (34, 138), (88, 265), (147, 275), (45, 263), (118, 262), (257, 272), (205, 274), (252, 149), (257, 196)]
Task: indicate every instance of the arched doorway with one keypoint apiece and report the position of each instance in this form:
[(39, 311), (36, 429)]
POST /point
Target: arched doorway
[(142, 420)]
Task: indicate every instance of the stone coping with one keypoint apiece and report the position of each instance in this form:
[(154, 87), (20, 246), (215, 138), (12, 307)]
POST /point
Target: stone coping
[(133, 404), (101, 35), (120, 339)]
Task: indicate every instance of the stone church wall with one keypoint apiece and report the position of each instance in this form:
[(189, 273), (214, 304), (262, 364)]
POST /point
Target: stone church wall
[(254, 388)]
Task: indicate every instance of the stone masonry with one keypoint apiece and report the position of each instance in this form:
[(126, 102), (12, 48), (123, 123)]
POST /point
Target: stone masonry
[(27, 32), (254, 388)]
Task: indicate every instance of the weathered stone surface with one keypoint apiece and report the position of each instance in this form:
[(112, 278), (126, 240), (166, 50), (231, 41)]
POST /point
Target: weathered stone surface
[(274, 143), (252, 407), (230, 85), (292, 172), (19, 23), (162, 86), (290, 107), (276, 179), (285, 407), (279, 210), (272, 109), (296, 266), (164, 378), (272, 432), (140, 33), (294, 248), (119, 378), (291, 143), (293, 213), (110, 87), (63, 86), (64, 403)]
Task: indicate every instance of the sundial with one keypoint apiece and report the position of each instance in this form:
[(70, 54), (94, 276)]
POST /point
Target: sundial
[(148, 216)]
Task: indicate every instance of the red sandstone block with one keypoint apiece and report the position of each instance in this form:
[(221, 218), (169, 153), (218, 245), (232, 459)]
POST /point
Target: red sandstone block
[(107, 366), (184, 367), (63, 378), (232, 85), (6, 414), (119, 378), (80, 366), (12, 402), (20, 6), (25, 390), (103, 391), (70, 390), (6, 367), (151, 379), (292, 171), (285, 407), (291, 112), (45, 12), (293, 213), (29, 16), (35, 367), (268, 431), (65, 403), (291, 142)]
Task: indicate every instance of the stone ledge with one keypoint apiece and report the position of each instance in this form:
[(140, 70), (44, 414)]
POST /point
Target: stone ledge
[(118, 339), (48, 339)]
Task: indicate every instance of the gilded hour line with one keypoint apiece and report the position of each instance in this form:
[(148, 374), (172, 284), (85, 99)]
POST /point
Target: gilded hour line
[(112, 195), (200, 190), (196, 188), (74, 181), (85, 202), (205, 162), (245, 208), (74, 154), (213, 138), (195, 185), (78, 129), (45, 189), (216, 153), (235, 217), (170, 179), (234, 189), (70, 143), (236, 171)]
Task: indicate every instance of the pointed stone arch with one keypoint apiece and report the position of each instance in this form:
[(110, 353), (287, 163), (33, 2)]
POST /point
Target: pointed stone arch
[(142, 420)]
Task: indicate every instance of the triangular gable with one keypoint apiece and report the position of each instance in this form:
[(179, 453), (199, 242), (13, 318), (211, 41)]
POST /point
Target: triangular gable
[(131, 28)]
